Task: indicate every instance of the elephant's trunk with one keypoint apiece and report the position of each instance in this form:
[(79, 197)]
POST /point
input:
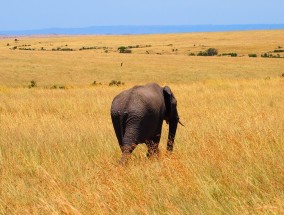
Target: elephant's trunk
[(172, 134)]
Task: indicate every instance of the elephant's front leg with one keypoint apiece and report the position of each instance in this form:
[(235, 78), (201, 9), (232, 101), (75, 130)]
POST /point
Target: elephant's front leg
[(152, 148), (170, 144)]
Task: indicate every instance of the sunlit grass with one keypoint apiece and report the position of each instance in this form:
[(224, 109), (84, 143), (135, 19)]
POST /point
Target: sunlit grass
[(81, 68), (59, 154)]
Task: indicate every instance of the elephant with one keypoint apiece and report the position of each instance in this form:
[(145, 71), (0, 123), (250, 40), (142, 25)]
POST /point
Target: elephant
[(137, 116)]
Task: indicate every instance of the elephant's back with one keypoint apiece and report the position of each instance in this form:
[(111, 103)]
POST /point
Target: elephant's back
[(139, 100)]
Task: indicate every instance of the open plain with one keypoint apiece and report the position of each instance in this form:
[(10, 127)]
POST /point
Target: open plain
[(59, 153)]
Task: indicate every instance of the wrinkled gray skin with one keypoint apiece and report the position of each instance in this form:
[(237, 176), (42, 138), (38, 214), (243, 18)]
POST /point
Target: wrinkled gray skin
[(137, 115)]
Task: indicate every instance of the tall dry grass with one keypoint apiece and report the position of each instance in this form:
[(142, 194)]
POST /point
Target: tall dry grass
[(58, 151)]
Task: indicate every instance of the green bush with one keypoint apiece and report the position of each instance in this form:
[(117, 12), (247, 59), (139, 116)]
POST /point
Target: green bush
[(67, 49), (208, 52), (116, 83), (202, 53), (123, 49), (268, 55), (62, 49), (32, 84), (278, 50), (88, 48), (231, 54), (27, 49), (132, 47), (212, 51), (252, 55)]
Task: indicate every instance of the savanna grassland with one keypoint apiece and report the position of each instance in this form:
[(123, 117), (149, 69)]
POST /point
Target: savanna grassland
[(58, 151)]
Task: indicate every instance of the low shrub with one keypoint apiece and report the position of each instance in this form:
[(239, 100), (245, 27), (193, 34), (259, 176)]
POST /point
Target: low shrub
[(212, 51), (268, 55), (132, 47), (123, 49), (88, 48), (27, 49), (202, 53), (32, 84), (116, 83), (252, 55), (62, 87), (278, 50), (95, 83), (62, 49), (67, 49), (127, 51), (231, 54), (208, 52)]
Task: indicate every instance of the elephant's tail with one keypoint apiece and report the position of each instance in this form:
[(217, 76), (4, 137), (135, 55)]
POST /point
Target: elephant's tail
[(122, 120)]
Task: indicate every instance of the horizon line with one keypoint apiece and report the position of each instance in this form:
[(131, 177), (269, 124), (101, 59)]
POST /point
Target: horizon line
[(142, 29)]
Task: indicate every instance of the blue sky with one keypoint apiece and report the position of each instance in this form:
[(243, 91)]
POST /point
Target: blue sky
[(38, 14)]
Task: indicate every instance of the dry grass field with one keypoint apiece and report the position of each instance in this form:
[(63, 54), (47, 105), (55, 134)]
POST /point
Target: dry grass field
[(59, 154)]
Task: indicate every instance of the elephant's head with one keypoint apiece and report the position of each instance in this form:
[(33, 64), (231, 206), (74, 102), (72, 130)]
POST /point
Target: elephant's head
[(171, 116)]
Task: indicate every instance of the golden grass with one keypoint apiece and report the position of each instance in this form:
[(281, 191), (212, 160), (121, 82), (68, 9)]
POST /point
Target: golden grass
[(81, 68), (58, 151)]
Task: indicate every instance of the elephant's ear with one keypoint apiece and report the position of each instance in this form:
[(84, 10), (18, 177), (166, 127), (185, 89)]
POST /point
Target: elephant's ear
[(170, 102)]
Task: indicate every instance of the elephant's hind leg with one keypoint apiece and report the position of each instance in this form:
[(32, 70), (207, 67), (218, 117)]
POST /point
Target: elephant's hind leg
[(126, 149), (128, 144), (152, 148)]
